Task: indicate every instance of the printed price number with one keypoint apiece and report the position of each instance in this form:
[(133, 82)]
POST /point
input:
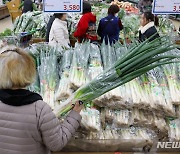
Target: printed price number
[(176, 8), (71, 7)]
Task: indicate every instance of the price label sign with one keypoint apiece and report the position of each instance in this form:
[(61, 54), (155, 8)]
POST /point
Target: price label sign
[(166, 7), (63, 6)]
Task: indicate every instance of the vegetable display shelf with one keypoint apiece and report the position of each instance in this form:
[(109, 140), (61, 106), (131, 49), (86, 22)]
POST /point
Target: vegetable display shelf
[(3, 11), (106, 145)]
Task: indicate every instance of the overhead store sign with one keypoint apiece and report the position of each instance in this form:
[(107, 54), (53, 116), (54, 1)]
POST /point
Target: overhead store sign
[(166, 7), (62, 6)]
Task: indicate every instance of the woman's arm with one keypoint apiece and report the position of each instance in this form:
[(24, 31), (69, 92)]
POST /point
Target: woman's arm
[(55, 135), (120, 25)]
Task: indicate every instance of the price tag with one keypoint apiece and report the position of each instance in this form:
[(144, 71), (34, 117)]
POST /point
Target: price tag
[(62, 6), (166, 7)]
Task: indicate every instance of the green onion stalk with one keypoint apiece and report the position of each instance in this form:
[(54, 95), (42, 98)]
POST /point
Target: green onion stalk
[(172, 75), (79, 66), (139, 60)]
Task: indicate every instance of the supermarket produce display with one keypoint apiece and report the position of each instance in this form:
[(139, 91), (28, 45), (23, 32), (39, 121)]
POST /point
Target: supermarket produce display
[(143, 109), (130, 89), (32, 20)]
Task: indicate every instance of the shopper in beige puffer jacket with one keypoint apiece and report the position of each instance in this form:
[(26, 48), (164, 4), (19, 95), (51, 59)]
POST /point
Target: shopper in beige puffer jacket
[(27, 124)]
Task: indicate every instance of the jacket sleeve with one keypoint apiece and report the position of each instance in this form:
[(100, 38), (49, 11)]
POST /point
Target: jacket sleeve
[(81, 28), (55, 135), (99, 30), (120, 25)]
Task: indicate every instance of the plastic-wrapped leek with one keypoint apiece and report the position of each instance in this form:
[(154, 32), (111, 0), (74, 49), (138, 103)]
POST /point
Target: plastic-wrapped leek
[(139, 60), (79, 66), (64, 91)]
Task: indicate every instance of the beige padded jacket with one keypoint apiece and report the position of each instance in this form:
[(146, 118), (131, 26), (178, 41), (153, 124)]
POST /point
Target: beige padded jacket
[(34, 129)]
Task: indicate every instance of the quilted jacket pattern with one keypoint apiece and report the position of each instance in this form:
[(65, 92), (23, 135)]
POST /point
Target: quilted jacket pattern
[(34, 129)]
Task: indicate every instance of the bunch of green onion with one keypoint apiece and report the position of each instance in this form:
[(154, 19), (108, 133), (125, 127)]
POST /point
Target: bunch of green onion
[(139, 60)]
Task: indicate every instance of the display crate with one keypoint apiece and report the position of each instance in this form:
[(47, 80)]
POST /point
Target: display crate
[(3, 11)]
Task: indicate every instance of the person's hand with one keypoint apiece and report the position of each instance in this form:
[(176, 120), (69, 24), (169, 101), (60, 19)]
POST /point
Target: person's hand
[(78, 106)]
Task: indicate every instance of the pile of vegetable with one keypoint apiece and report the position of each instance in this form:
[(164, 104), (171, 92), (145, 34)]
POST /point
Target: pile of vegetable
[(7, 32), (145, 100), (137, 61), (31, 21), (127, 6)]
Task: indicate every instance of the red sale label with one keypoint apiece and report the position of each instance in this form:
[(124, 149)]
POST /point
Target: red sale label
[(63, 6)]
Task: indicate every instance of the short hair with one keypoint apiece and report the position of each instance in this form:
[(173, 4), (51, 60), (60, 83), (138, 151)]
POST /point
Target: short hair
[(151, 17), (17, 68), (86, 7), (58, 15), (113, 9)]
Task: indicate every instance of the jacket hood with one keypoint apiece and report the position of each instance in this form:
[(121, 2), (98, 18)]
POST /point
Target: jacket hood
[(64, 23), (91, 17), (18, 97)]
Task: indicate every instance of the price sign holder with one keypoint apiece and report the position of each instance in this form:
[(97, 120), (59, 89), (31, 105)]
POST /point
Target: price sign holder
[(63, 6), (166, 7)]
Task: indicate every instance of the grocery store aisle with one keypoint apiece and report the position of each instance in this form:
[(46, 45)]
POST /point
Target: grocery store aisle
[(5, 23)]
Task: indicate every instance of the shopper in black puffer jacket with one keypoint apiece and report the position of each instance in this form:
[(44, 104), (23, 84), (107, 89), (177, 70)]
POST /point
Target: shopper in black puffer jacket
[(148, 29)]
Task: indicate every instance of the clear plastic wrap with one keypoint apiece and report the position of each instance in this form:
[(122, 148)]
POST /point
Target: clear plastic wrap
[(139, 95), (32, 20), (118, 118), (160, 124), (78, 76), (91, 119), (172, 74), (160, 92), (95, 63), (63, 92), (48, 77), (174, 130)]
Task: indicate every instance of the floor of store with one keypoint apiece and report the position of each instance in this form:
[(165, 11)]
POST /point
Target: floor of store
[(5, 23)]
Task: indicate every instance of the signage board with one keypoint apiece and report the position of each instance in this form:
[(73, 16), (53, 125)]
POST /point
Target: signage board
[(166, 7), (63, 6)]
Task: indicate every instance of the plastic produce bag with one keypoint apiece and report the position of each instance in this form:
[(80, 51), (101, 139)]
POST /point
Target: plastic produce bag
[(63, 92), (174, 128), (91, 119)]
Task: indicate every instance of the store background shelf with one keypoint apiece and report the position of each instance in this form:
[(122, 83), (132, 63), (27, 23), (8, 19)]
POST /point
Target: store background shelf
[(3, 11)]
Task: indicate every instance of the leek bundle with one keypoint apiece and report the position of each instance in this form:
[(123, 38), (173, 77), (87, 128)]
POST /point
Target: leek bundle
[(48, 77), (139, 60), (79, 66), (172, 74), (64, 91), (91, 119), (46, 58), (174, 128)]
